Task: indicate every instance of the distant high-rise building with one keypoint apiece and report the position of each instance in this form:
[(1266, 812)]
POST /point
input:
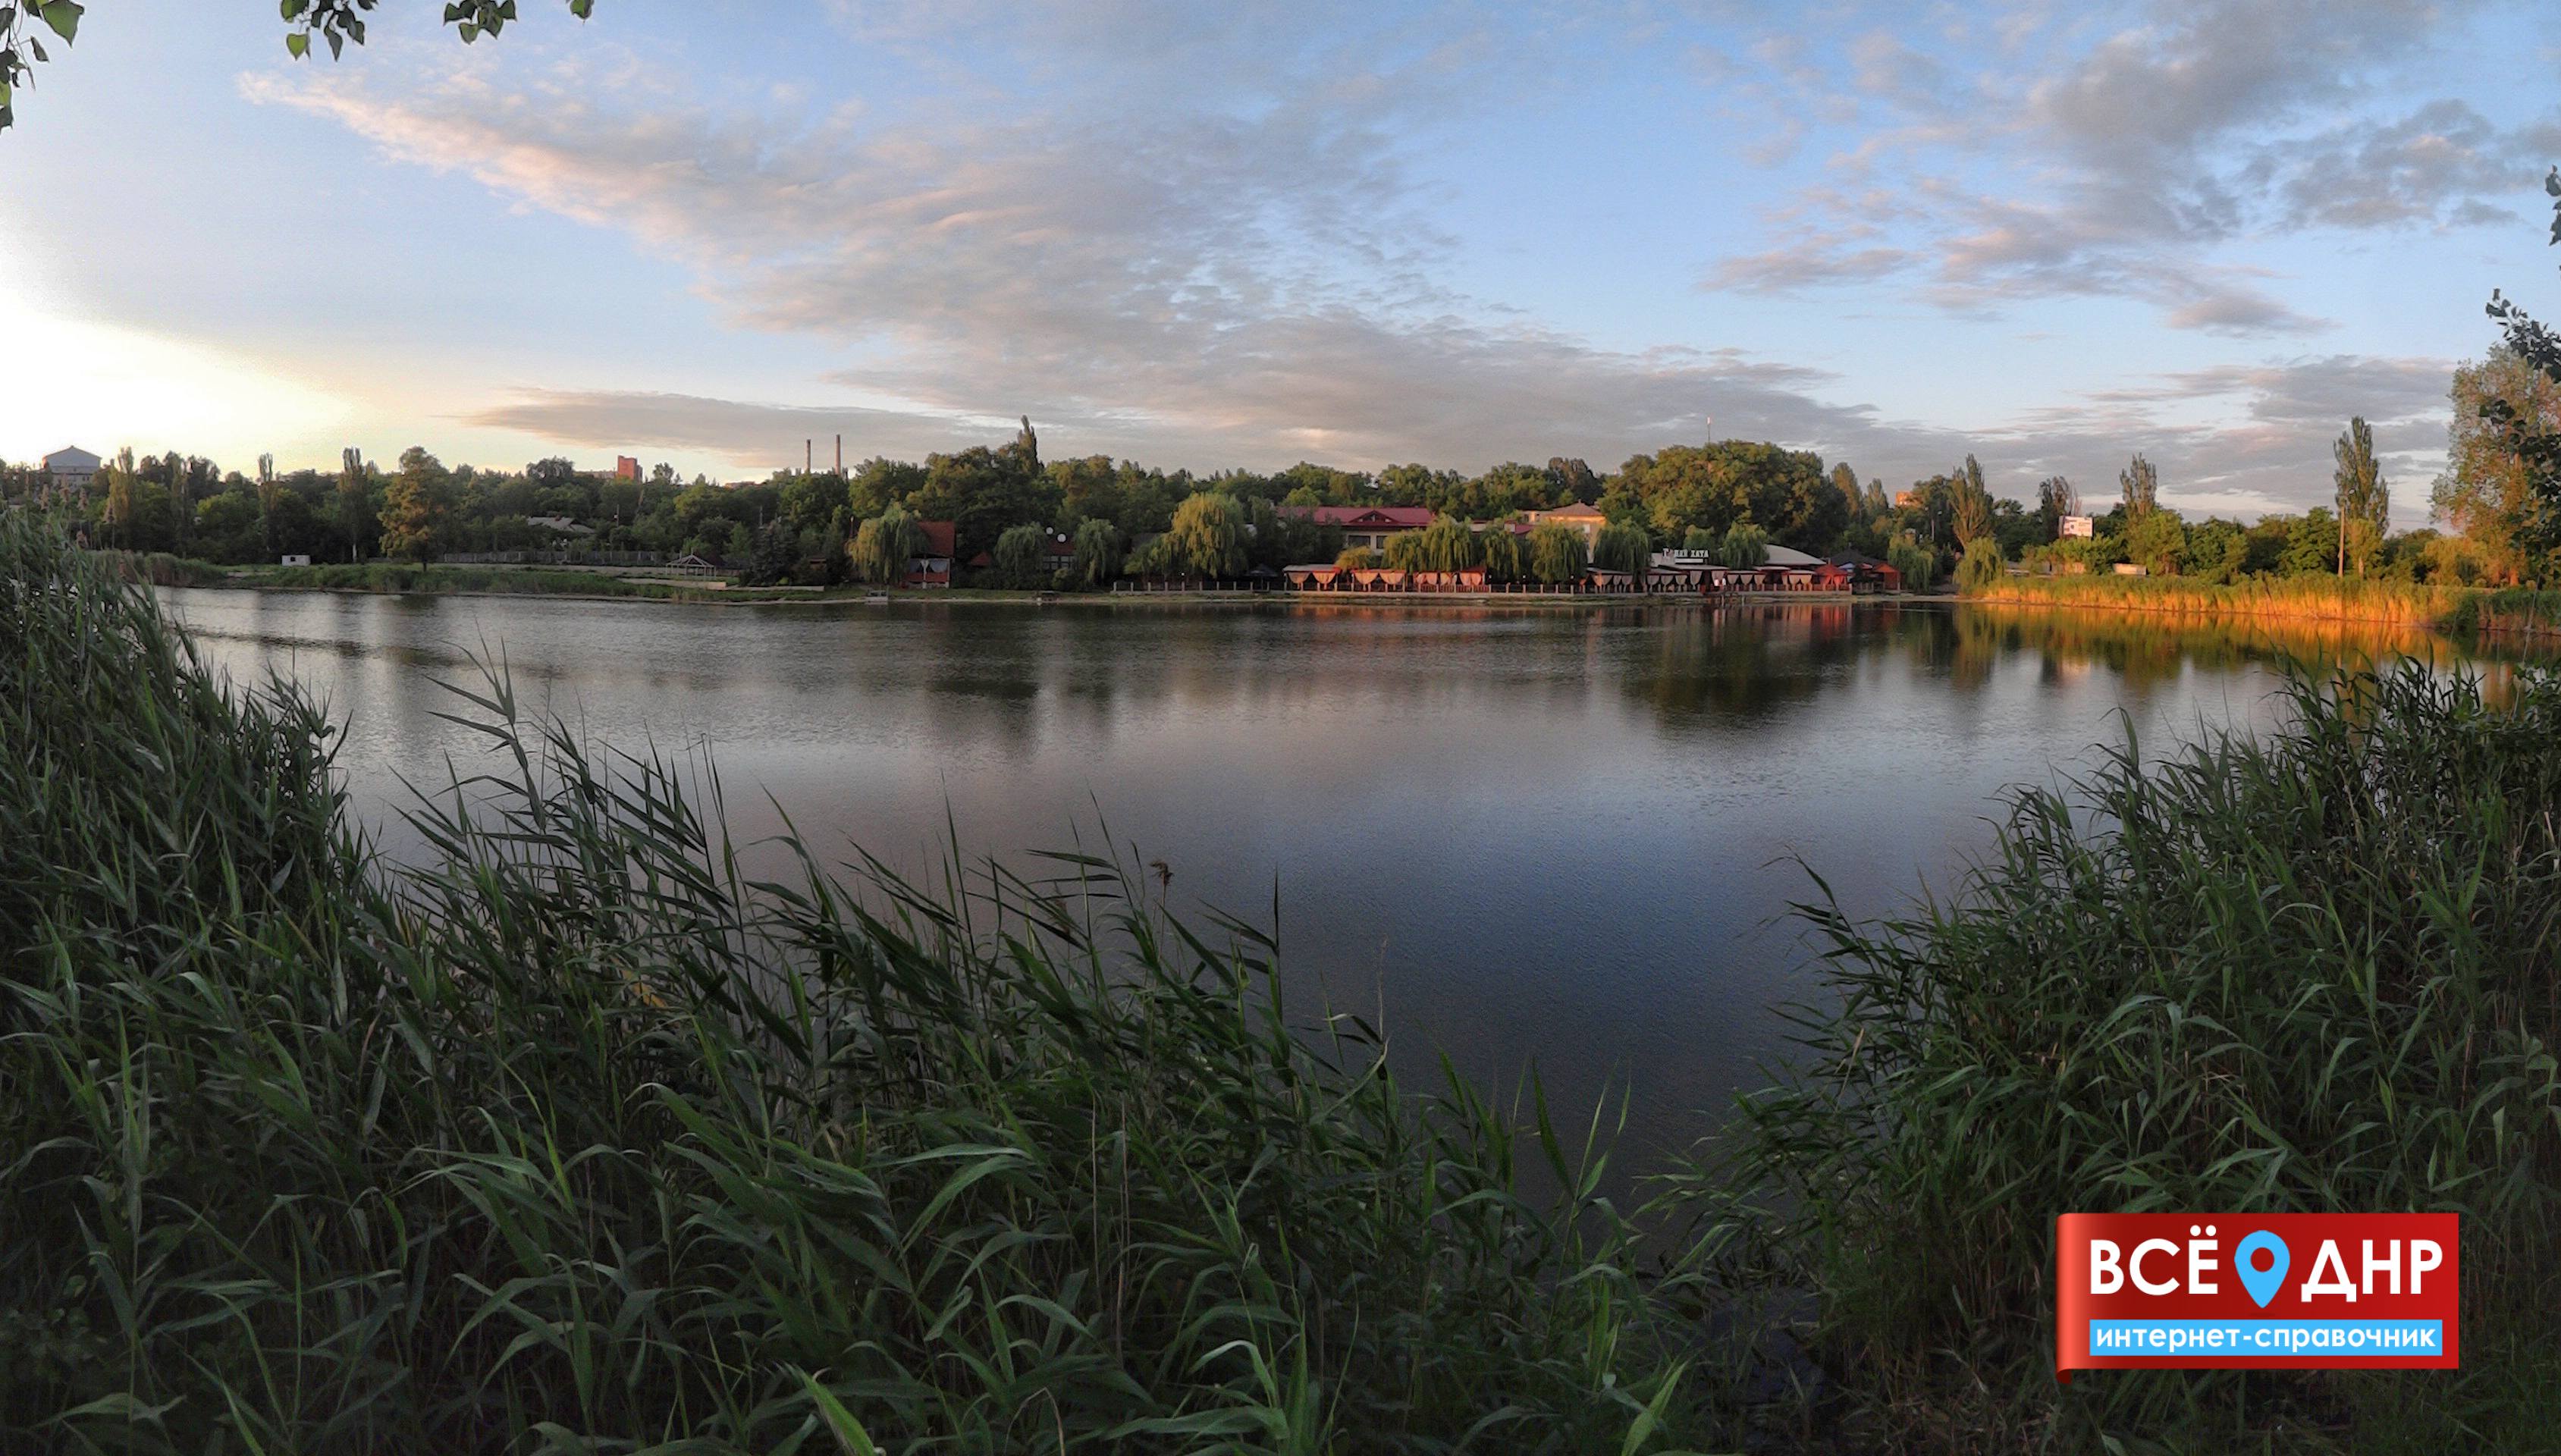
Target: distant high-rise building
[(626, 467)]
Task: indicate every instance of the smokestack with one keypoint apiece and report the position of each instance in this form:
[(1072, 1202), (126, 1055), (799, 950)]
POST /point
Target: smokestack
[(808, 456), (840, 454)]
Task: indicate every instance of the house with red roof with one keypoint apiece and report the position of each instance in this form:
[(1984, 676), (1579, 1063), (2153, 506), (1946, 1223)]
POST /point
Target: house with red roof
[(1366, 527), (932, 566)]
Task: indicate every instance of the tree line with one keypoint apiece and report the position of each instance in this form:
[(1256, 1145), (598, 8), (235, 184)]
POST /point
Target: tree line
[(1084, 521)]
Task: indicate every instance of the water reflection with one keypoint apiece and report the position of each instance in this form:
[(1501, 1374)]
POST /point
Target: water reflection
[(1515, 833)]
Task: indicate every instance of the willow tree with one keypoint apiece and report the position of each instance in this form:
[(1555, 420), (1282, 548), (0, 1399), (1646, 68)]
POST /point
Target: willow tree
[(1623, 548), (1505, 560), (1700, 539), (1405, 551), (2364, 501), (1098, 553), (1743, 547), (1208, 536), (884, 545), (1022, 555), (1357, 559), (1980, 565), (1448, 545), (1556, 553)]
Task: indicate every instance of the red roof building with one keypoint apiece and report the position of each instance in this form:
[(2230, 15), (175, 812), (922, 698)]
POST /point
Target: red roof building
[(1366, 527), (932, 566)]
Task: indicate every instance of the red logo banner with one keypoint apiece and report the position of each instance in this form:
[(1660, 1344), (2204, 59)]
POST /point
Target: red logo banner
[(2266, 1291)]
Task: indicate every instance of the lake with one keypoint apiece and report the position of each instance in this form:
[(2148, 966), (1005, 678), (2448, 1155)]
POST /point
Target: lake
[(1559, 836)]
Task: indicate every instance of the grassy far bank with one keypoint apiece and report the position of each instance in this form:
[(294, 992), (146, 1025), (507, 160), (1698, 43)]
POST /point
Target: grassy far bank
[(2456, 609), (567, 1139)]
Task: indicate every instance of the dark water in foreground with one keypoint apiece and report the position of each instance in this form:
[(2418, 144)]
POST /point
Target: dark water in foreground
[(1517, 834)]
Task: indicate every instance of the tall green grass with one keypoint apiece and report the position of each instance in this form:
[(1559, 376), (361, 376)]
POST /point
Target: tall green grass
[(2315, 971), (573, 1138)]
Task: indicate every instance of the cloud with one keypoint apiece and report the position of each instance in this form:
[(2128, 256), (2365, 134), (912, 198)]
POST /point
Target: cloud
[(1247, 289), (2249, 439), (2119, 166), (737, 430), (1250, 273)]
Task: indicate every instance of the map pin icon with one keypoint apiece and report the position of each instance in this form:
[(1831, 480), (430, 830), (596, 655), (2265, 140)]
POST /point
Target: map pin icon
[(2262, 1283)]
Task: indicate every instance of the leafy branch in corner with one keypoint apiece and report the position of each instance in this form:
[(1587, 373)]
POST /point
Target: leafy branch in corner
[(335, 22), (2534, 441)]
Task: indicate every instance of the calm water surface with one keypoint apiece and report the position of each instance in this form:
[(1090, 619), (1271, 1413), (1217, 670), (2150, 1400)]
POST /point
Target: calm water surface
[(1521, 836)]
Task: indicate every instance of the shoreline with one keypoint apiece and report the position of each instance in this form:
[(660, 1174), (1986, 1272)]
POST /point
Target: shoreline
[(763, 596)]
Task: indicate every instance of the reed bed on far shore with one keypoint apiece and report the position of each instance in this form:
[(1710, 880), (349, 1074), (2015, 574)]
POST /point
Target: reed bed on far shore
[(2296, 601)]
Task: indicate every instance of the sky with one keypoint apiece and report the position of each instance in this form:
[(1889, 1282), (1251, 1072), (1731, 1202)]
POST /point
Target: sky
[(2047, 233)]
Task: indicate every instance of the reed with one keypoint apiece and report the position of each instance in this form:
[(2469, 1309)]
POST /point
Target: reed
[(2319, 970), (2277, 598), (568, 1136), (573, 1134)]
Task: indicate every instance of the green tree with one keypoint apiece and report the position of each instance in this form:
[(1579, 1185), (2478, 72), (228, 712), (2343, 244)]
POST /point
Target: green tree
[(1098, 553), (1022, 558), (2157, 540), (1505, 560), (1699, 538), (1404, 552), (2311, 545), (354, 499), (2218, 552), (1623, 548), (1971, 514), (1449, 546), (2055, 499), (1981, 565), (880, 483), (1743, 547), (1574, 479), (1556, 553), (2140, 485), (1357, 559), (2364, 501), (1918, 564), (885, 544), (417, 506), (809, 500), (1207, 538), (2485, 491), (983, 491), (2525, 435)]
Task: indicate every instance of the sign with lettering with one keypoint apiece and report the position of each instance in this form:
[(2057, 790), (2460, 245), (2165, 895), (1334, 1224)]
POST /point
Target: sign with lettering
[(2270, 1291)]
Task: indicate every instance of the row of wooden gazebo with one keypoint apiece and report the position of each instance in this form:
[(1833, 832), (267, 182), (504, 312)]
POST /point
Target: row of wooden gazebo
[(1679, 579)]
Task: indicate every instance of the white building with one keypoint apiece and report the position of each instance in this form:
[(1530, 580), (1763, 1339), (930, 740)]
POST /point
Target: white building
[(73, 468)]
